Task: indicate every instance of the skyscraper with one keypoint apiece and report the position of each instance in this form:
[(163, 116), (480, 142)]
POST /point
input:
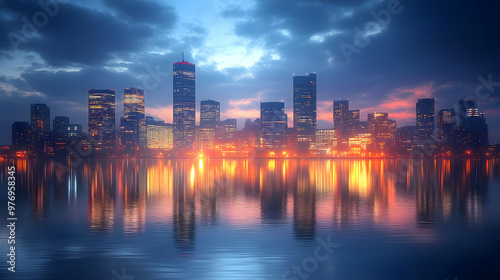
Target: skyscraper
[(382, 130), (446, 128), (40, 126), (273, 121), (102, 118), (133, 123), (184, 104), (209, 113), (304, 110), (472, 132), (341, 118), (340, 112), (425, 118)]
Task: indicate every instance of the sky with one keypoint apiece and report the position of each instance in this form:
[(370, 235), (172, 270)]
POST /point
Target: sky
[(381, 55)]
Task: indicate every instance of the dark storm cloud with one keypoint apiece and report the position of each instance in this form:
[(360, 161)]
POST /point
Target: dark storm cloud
[(77, 35), (141, 12)]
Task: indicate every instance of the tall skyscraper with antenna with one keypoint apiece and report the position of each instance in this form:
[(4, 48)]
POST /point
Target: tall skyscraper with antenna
[(184, 95)]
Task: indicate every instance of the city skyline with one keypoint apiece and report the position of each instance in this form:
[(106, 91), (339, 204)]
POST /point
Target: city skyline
[(461, 130), (241, 64)]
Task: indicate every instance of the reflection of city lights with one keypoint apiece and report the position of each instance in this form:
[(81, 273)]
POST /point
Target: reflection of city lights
[(271, 164), (192, 176)]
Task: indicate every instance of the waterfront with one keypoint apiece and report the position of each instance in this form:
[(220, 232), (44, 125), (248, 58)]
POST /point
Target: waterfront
[(255, 219)]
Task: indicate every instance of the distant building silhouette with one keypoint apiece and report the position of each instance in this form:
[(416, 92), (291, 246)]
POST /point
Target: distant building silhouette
[(425, 119), (446, 132), (40, 127), (20, 135), (60, 124)]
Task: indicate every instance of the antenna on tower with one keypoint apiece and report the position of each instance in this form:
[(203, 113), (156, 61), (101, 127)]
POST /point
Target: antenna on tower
[(182, 56)]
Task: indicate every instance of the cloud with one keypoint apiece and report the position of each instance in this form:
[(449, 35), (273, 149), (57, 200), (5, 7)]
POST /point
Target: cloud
[(237, 113)]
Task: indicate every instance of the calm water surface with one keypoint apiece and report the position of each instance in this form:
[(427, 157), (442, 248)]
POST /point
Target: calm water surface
[(255, 219)]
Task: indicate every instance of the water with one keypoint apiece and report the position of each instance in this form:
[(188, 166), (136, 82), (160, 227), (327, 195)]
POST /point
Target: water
[(254, 219)]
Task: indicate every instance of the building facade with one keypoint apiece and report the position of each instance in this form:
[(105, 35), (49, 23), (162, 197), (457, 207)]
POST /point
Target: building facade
[(133, 123), (40, 127), (101, 120), (273, 124), (209, 113), (425, 119)]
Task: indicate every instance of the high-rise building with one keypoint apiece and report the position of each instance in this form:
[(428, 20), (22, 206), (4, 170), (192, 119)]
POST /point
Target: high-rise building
[(60, 125), (133, 123), (304, 110), (40, 127), (340, 112), (184, 104), (382, 130), (341, 119), (425, 119), (209, 113), (20, 135), (472, 132), (273, 121), (446, 128), (102, 118)]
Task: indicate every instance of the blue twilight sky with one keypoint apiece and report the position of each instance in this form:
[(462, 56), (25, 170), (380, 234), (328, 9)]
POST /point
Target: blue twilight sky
[(380, 54)]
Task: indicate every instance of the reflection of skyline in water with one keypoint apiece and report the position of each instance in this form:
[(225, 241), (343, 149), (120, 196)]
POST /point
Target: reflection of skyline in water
[(186, 194)]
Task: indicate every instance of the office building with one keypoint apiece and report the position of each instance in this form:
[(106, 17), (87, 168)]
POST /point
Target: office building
[(101, 119), (273, 121), (304, 110), (184, 99), (40, 127), (382, 130), (447, 129), (209, 113), (425, 119), (159, 134), (133, 123)]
